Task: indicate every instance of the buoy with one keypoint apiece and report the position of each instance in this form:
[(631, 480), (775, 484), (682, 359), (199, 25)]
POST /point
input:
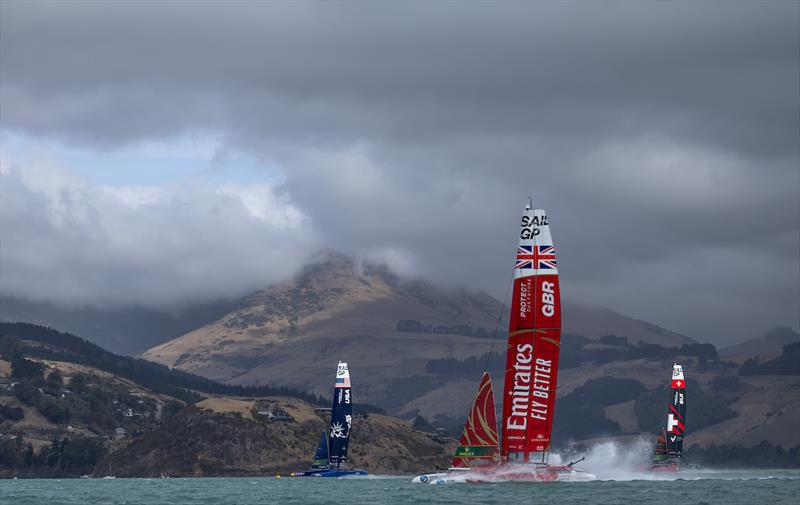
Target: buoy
[(277, 476)]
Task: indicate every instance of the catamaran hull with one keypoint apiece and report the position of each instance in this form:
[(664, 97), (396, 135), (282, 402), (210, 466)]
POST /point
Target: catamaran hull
[(507, 473), (331, 473), (427, 478), (673, 467), (545, 474)]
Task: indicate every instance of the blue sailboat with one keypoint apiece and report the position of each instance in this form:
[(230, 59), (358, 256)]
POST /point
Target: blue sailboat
[(331, 456)]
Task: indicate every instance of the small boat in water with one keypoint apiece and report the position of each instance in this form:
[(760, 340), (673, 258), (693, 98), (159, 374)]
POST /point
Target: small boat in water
[(110, 473), (669, 447), (330, 457)]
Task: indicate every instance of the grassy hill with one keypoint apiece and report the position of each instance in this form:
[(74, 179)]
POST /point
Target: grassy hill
[(768, 344), (388, 328), (69, 408)]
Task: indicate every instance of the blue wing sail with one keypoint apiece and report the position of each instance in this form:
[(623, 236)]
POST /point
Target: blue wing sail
[(321, 459), (341, 417)]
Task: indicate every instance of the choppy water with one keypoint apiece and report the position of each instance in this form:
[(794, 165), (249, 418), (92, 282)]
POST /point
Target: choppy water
[(688, 487)]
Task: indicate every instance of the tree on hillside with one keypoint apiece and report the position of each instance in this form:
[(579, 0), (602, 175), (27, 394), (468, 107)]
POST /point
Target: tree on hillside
[(11, 413), (53, 409), (27, 392), (55, 379), (23, 368), (788, 363), (10, 347)]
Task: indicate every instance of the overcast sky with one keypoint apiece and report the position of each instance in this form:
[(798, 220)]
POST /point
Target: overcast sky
[(167, 153)]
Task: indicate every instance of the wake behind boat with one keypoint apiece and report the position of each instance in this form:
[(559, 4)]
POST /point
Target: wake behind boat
[(331, 456), (529, 392)]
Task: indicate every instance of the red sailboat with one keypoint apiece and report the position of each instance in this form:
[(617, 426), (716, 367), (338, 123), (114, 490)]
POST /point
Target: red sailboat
[(531, 372), (669, 447), (534, 343)]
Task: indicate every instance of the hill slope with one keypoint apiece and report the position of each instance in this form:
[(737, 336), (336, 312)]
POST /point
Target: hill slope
[(66, 417), (768, 344), (124, 330), (388, 328)]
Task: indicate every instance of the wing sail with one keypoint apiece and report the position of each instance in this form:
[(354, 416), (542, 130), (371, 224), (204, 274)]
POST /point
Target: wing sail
[(534, 343), (321, 458), (479, 443), (341, 416), (676, 413)]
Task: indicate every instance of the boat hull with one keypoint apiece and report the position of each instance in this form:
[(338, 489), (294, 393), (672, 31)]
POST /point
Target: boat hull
[(671, 467), (330, 473), (427, 478), (431, 478), (507, 473), (544, 473)]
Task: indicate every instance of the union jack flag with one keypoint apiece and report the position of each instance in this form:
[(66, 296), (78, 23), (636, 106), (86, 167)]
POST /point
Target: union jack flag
[(525, 256), (542, 257)]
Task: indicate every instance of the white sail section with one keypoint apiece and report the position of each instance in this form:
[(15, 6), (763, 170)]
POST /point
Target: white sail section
[(536, 254)]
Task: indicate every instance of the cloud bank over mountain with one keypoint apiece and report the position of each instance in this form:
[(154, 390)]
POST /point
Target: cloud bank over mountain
[(73, 243)]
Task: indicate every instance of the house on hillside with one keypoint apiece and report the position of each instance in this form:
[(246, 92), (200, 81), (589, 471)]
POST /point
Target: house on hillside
[(6, 385), (272, 412)]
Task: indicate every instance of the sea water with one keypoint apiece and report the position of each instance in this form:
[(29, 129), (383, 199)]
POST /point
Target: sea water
[(687, 487)]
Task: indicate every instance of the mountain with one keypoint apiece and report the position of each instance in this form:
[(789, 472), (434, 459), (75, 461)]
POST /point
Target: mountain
[(389, 328), (124, 330), (69, 408), (417, 349), (769, 344), (594, 322)]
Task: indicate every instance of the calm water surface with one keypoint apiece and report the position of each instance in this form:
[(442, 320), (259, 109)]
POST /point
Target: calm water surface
[(700, 487)]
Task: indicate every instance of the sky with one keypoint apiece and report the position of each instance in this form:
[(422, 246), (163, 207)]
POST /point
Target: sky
[(162, 154)]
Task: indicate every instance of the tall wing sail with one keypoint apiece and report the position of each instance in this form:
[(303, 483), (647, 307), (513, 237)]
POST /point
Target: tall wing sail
[(534, 342), (676, 412), (341, 416), (321, 456), (478, 444)]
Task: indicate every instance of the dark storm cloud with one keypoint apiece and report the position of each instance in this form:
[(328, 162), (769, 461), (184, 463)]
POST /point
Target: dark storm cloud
[(409, 71), (662, 137)]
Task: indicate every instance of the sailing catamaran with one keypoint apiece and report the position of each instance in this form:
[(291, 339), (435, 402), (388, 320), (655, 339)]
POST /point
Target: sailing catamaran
[(669, 447), (534, 342), (331, 455)]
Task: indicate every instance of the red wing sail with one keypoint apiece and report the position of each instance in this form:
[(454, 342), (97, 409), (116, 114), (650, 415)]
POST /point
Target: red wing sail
[(534, 342), (478, 442)]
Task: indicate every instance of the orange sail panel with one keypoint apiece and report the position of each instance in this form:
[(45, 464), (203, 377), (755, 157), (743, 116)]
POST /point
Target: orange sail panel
[(534, 342), (478, 444)]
